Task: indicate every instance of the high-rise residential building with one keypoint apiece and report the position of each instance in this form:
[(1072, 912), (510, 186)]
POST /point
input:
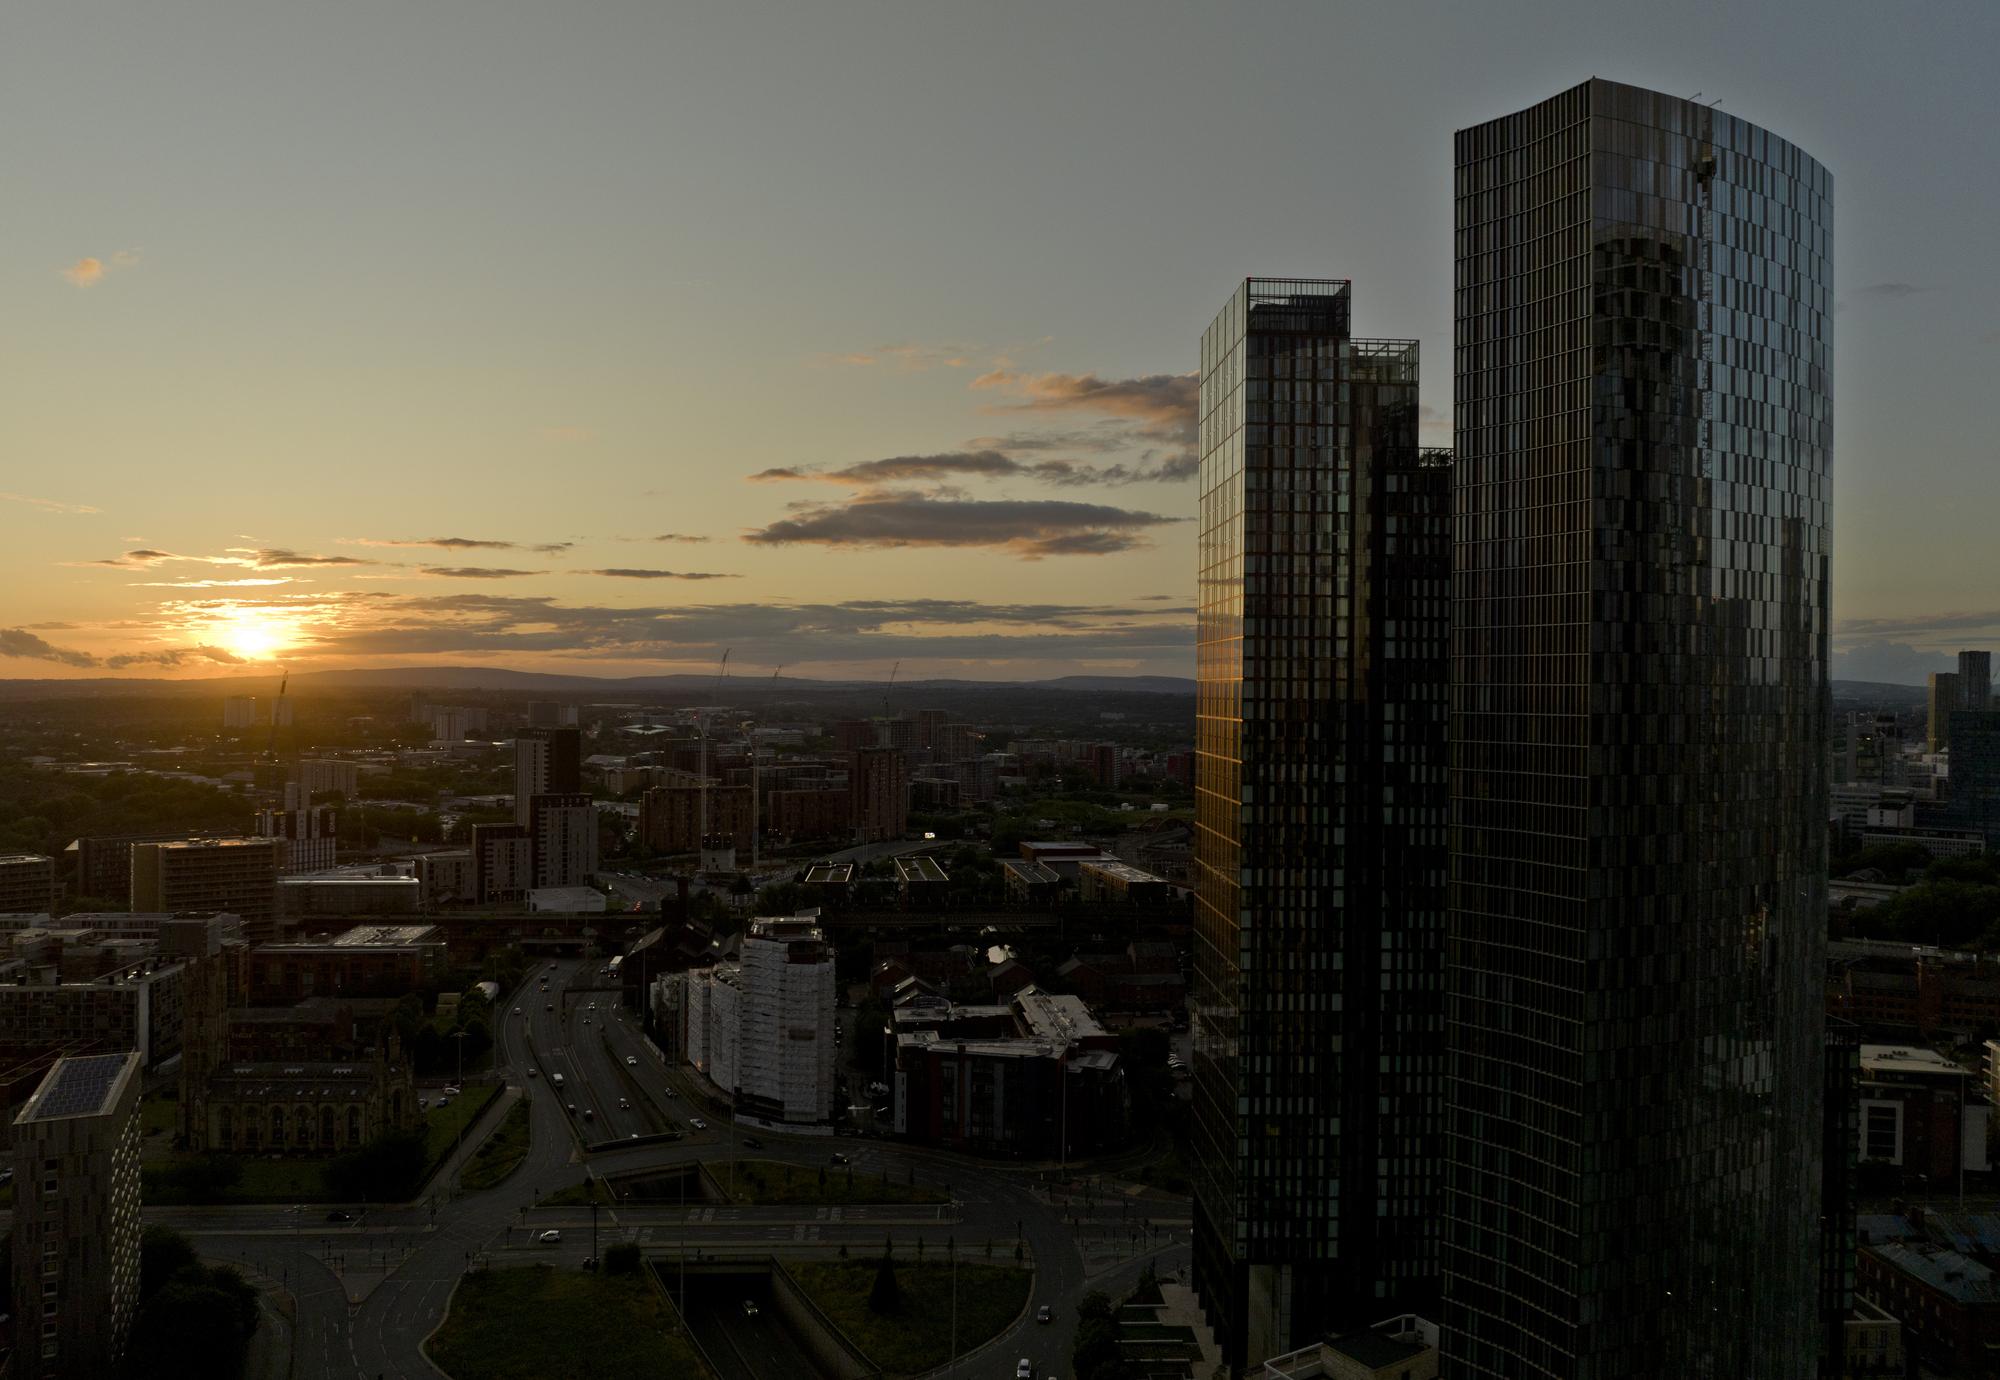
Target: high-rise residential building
[(1975, 680), (27, 883), (1642, 493), (316, 776), (239, 711), (563, 832), (878, 794), (503, 863), (76, 1218), (235, 875), (670, 816), (550, 714), (1945, 699), (306, 836), (1320, 852), (547, 761), (761, 1028)]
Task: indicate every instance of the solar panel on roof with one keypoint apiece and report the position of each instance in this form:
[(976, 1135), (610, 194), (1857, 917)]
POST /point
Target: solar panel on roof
[(80, 1086)]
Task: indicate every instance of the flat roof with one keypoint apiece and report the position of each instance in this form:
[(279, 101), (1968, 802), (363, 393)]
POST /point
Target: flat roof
[(919, 869), (1055, 1017), (1956, 1276), (1905, 1059), (87, 1086), (1124, 871), (367, 937)]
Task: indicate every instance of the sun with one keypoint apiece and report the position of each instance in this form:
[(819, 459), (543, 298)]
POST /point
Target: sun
[(254, 636)]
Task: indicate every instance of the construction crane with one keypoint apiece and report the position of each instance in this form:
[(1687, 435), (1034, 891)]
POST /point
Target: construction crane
[(705, 715), (890, 689), (756, 799)]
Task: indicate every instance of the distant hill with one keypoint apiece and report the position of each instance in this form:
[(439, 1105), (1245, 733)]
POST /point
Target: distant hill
[(1879, 692)]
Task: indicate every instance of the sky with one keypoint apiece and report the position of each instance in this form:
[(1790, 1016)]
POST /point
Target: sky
[(601, 338)]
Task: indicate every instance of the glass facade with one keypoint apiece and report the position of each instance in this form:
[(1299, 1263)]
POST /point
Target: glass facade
[(1320, 846), (1642, 483)]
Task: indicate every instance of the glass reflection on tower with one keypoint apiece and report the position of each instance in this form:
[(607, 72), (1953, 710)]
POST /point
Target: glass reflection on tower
[(1638, 731)]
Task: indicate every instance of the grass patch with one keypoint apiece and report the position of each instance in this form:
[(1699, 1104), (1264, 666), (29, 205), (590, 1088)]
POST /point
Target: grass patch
[(540, 1323), (774, 1181), (580, 1195), (916, 1334), (503, 1151)]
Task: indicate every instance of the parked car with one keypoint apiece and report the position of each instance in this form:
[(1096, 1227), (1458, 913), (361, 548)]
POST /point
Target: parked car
[(749, 1309), (752, 1143), (697, 1123), (551, 1237), (839, 1158), (1045, 1314)]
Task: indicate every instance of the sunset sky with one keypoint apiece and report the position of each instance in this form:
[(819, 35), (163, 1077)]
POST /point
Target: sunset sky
[(601, 337)]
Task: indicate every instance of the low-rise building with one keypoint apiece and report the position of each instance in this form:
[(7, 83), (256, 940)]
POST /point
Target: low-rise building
[(922, 883), (1401, 1348), (365, 961), (1949, 1304), (1912, 1110), (349, 892), (1030, 883), (1119, 883)]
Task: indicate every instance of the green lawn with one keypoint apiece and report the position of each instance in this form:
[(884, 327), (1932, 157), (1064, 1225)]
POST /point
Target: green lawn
[(294, 1178), (503, 1151), (580, 1195), (774, 1181), (916, 1336), (540, 1323)]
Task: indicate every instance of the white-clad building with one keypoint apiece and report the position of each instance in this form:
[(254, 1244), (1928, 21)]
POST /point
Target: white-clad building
[(761, 1029)]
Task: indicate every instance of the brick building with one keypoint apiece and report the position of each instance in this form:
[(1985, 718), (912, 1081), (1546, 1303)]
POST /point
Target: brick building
[(366, 961)]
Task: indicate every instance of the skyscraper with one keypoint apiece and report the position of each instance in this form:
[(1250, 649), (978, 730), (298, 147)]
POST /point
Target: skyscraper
[(1944, 699), (547, 761), (1975, 680), (1642, 487), (1320, 849)]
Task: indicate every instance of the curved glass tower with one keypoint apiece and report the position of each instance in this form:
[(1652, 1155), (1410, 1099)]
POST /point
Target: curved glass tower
[(1638, 772)]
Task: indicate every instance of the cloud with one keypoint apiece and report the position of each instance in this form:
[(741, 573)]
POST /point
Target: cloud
[(19, 642), (477, 572), (974, 464), (680, 536), (1894, 289), (246, 581), (1163, 405), (1030, 529), (278, 558), (49, 505), (631, 573), (90, 271), (545, 548)]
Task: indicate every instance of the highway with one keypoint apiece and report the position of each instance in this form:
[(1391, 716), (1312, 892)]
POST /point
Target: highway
[(367, 1293)]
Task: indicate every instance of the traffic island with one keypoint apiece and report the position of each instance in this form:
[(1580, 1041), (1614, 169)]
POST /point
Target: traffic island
[(503, 1151), (900, 1314), (540, 1323)]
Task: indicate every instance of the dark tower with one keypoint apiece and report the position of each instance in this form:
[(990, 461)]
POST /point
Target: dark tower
[(1639, 698)]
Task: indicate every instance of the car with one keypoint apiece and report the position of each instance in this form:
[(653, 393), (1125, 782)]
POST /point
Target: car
[(624, 1104), (571, 1107), (1045, 1314), (517, 1010), (548, 1006), (423, 1104), (589, 1115), (1025, 1371), (839, 1158), (593, 1006), (532, 1073), (443, 1102), (453, 1090), (697, 1123), (670, 1092), (752, 1143), (749, 1309), (631, 1061), (586, 1020), (337, 1215), (551, 1237)]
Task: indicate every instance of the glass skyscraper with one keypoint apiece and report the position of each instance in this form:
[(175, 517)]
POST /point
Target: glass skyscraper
[(1320, 848), (1639, 700)]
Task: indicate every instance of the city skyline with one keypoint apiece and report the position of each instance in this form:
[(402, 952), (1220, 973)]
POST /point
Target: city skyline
[(387, 357)]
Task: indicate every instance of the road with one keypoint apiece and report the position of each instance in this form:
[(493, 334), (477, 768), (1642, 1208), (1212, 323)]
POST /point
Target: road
[(402, 1262), (741, 1346)]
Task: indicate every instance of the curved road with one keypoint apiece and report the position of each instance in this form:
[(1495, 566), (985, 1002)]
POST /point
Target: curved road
[(425, 1248)]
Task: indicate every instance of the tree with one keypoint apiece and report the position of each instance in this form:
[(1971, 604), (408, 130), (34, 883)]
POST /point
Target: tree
[(163, 1253), (886, 1297), (197, 1326), (622, 1259), (389, 1168)]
